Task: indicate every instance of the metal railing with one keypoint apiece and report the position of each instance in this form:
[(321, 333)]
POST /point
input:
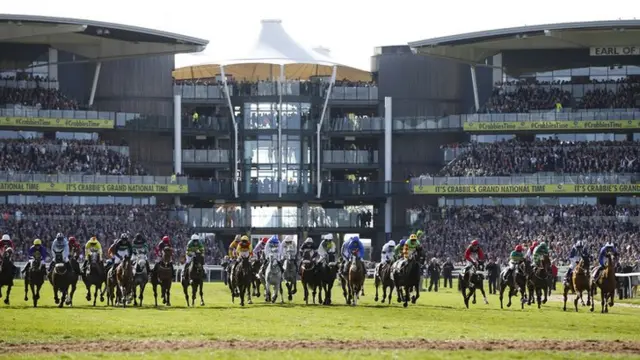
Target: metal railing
[(88, 179), (581, 115), (350, 157), (270, 88), (534, 179), (29, 84), (205, 156)]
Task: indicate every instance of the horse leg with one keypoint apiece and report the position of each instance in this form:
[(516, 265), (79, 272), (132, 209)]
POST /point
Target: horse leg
[(63, 297), (565, 292), (546, 291), (538, 296), (6, 299), (135, 295), (502, 288), (154, 287), (281, 293), (194, 292), (319, 293), (612, 298), (241, 290), (415, 298), (603, 301), (185, 289), (167, 293), (384, 294), (344, 289), (306, 293), (26, 287), (200, 293), (377, 284), (407, 294), (95, 293)]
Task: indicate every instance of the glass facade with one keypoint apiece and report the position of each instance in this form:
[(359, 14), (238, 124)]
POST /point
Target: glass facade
[(610, 73), (265, 115)]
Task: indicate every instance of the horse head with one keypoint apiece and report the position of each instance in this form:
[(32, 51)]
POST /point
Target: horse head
[(8, 255), (167, 253)]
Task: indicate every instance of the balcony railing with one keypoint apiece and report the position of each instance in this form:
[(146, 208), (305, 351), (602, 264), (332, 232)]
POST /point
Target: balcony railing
[(92, 179), (534, 179), (205, 156), (350, 157), (269, 88), (29, 84)]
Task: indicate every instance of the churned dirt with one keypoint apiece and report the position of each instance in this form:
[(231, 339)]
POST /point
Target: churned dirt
[(618, 347)]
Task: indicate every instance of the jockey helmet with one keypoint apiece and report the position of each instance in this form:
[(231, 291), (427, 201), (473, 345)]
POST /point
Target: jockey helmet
[(93, 239), (608, 244), (244, 238), (265, 240), (579, 244), (274, 239), (288, 238), (165, 239), (327, 237), (195, 237), (59, 236), (392, 243), (37, 242), (355, 238), (6, 237), (308, 241), (519, 248), (475, 243), (433, 260), (124, 236), (535, 243), (413, 237), (72, 239), (138, 236)]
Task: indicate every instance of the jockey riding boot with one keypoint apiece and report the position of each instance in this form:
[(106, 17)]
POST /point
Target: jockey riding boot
[(26, 267), (51, 265)]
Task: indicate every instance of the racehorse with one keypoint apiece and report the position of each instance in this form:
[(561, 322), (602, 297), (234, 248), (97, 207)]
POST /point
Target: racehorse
[(382, 277), (514, 283), (273, 279), (328, 273), (355, 278), (606, 281), (94, 275), (579, 283), (310, 276), (124, 279), (140, 277), (61, 278), (539, 281), (74, 275), (194, 277), (163, 276), (7, 272), (256, 265), (34, 278), (241, 281), (406, 276), (472, 280), (290, 275)]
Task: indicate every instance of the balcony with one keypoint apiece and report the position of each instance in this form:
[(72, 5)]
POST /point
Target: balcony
[(206, 156), (350, 157)]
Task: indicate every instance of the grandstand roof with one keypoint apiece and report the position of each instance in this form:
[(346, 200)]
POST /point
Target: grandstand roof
[(94, 39), (274, 46), (475, 47)]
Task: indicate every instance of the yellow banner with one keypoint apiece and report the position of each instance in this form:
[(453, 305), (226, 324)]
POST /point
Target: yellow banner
[(560, 125), (39, 122), (80, 188), (526, 189)]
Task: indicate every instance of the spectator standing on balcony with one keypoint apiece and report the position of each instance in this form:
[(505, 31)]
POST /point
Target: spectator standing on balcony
[(195, 118)]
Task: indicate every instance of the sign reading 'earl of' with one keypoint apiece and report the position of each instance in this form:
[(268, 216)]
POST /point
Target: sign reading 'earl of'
[(615, 51)]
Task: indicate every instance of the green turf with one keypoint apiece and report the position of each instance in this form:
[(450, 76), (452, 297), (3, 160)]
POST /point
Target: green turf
[(436, 316), (330, 354)]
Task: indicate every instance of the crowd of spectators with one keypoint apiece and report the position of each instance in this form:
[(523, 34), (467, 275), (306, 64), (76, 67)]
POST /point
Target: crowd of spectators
[(24, 223), (41, 98), (64, 157), (515, 157), (448, 230), (527, 96)]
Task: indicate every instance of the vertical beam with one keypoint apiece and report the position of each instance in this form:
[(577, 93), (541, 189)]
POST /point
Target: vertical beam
[(53, 65), (305, 215), (474, 83), (280, 117), (247, 215), (388, 123), (319, 129), (497, 71), (235, 132), (94, 84), (177, 135)]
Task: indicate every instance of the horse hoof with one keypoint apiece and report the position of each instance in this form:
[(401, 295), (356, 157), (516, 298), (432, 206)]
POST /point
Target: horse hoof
[(473, 302), (375, 299), (509, 305), (101, 298), (88, 297), (6, 301), (56, 301), (405, 304), (201, 303), (250, 302), (26, 298)]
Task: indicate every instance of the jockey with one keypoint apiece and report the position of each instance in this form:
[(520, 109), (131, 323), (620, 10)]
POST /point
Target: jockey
[(289, 248), (515, 258), (410, 246), (193, 246), (387, 251), (140, 247), (74, 246), (353, 246), (233, 247), (244, 248), (529, 254), (165, 242), (473, 255), (576, 253), (92, 245), (258, 251), (5, 243), (36, 248), (60, 245), (608, 248), (540, 251), (327, 248), (308, 245), (120, 248), (398, 249), (273, 247)]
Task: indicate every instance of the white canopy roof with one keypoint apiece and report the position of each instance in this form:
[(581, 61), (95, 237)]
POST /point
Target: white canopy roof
[(275, 46)]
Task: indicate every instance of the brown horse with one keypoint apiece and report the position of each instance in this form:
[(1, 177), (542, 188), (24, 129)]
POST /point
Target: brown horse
[(7, 272), (383, 278), (606, 281), (580, 282), (34, 278), (539, 281), (241, 280), (193, 275), (310, 276), (355, 278), (124, 278), (163, 275)]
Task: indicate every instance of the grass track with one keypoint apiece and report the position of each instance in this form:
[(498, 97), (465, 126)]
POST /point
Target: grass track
[(436, 316)]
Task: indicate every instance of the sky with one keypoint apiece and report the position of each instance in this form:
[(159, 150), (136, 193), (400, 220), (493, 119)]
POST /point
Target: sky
[(349, 28)]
